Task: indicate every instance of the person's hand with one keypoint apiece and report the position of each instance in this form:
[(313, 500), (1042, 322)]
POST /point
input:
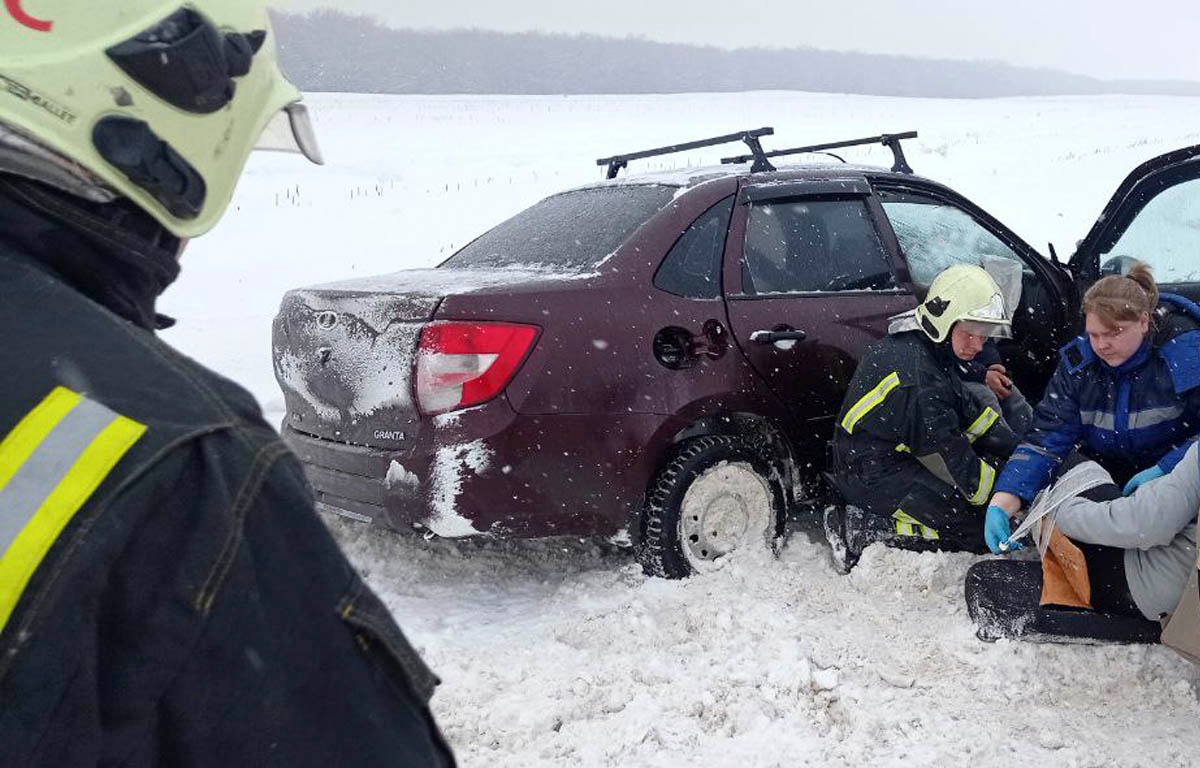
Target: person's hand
[(998, 381), (1152, 472), (996, 531)]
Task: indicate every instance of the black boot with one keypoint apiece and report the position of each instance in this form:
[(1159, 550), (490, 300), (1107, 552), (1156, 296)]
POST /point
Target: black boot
[(842, 555)]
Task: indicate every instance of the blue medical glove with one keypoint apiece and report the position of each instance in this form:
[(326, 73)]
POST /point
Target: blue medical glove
[(996, 530), (1152, 472)]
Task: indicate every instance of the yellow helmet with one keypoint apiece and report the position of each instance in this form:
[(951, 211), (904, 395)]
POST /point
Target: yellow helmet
[(161, 102), (963, 292)]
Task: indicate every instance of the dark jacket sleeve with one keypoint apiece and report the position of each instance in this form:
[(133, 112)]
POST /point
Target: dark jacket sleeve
[(975, 370), (937, 438), (1055, 430), (989, 433), (989, 355), (272, 650)]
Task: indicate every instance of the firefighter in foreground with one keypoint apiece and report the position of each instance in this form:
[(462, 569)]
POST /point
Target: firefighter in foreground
[(914, 452), (167, 594)]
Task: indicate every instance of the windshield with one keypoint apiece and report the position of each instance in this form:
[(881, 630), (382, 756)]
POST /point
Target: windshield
[(574, 230)]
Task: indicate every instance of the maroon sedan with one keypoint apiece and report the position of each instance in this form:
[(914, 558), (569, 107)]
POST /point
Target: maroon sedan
[(658, 358)]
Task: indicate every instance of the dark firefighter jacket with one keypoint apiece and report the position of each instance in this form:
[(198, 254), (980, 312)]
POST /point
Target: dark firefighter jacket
[(1140, 413), (906, 408), (167, 594)]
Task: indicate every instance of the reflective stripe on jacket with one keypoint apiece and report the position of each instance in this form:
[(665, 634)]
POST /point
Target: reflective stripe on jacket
[(906, 409), (1143, 412), (51, 463)]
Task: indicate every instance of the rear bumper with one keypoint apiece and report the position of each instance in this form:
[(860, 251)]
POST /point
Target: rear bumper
[(491, 471), (345, 479)]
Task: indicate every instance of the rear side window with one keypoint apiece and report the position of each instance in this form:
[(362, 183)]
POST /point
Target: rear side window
[(806, 246), (692, 268), (572, 231)]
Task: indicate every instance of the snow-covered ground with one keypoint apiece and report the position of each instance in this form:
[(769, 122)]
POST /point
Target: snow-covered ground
[(561, 652)]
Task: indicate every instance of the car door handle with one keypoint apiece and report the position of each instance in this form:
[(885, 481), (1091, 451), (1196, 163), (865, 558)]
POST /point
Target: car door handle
[(770, 337)]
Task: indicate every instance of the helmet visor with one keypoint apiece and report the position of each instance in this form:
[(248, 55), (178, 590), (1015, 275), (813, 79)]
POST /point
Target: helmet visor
[(995, 329), (291, 130)]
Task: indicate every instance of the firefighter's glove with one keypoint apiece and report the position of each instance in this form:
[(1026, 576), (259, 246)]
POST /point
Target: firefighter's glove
[(996, 530), (1152, 472)]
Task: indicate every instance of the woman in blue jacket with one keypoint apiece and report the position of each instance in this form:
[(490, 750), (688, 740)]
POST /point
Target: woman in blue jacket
[(1127, 393)]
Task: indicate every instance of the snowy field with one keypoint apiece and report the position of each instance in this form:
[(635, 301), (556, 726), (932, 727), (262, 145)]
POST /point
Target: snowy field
[(561, 652)]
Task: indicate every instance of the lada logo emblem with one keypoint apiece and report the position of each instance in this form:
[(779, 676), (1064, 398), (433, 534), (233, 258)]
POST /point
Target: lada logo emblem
[(326, 321), (22, 17)]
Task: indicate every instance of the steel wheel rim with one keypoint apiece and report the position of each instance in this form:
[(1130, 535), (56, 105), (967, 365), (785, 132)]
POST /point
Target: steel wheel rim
[(726, 508)]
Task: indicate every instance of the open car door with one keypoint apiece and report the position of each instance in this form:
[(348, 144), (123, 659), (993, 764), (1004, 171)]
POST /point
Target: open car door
[(1154, 217)]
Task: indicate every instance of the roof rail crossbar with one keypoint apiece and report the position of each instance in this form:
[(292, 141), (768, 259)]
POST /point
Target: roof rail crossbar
[(617, 162), (889, 140)]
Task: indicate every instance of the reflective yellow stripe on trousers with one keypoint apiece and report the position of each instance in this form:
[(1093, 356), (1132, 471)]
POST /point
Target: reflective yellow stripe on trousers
[(869, 401), (50, 464), (907, 525)]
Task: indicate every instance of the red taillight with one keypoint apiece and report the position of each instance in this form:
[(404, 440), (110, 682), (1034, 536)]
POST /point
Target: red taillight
[(461, 364)]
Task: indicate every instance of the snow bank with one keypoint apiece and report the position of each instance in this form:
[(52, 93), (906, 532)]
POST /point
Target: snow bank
[(562, 653)]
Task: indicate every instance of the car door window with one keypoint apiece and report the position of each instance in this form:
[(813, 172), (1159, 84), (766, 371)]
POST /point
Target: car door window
[(1165, 234), (934, 234), (692, 268), (804, 246)]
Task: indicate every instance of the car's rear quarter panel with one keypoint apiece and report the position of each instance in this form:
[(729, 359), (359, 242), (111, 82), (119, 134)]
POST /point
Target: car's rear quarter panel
[(595, 411)]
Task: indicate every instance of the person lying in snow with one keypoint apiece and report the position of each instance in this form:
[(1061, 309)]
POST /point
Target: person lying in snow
[(1129, 389), (914, 452), (1139, 550), (1112, 565)]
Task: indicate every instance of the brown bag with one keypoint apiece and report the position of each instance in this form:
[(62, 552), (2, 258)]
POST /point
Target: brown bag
[(1181, 630), (1065, 579)]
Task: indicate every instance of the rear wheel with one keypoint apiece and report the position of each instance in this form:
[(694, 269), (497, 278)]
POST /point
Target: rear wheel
[(715, 495)]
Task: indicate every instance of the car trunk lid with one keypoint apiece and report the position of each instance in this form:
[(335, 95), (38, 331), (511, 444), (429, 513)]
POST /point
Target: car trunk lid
[(344, 352)]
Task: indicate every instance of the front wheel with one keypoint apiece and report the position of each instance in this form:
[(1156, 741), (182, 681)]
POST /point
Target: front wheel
[(715, 495)]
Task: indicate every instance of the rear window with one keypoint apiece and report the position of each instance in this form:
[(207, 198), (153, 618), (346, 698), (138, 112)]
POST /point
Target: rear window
[(573, 231)]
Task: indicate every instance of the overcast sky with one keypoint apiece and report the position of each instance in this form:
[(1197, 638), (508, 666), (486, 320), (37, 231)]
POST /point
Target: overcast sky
[(1102, 38)]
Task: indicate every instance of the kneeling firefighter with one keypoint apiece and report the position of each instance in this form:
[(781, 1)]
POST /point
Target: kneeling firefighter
[(168, 595), (915, 452)]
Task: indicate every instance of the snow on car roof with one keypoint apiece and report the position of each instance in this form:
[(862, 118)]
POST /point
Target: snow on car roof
[(691, 177)]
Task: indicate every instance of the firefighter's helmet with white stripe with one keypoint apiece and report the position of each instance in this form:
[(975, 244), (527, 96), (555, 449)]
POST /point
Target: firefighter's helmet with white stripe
[(963, 292), (159, 102)]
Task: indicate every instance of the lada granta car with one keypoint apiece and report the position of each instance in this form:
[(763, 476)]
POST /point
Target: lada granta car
[(660, 357)]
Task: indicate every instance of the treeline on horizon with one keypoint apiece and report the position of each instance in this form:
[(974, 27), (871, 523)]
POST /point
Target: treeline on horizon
[(328, 50)]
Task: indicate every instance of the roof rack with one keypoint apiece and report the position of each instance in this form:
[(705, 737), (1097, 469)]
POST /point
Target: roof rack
[(890, 140), (617, 162)]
